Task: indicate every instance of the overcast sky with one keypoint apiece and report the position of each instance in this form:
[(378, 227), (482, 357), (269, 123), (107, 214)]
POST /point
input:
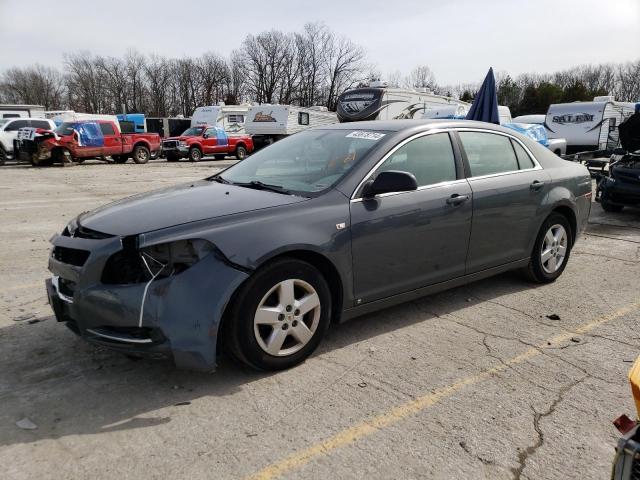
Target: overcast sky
[(458, 39)]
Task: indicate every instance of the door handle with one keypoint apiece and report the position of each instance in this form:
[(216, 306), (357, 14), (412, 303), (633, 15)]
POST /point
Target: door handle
[(456, 199), (536, 185)]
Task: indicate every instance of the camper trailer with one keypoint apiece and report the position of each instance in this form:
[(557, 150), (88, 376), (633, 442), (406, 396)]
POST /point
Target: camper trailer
[(588, 126), (379, 102), (229, 117), (22, 111), (268, 123)]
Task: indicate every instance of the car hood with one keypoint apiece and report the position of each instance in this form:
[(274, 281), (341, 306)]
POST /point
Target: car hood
[(186, 203), (180, 137)]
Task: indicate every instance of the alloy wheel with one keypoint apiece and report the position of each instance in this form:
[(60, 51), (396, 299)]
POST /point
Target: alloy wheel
[(287, 317), (554, 248)]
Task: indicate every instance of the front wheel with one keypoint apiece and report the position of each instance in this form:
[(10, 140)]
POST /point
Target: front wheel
[(279, 316), (195, 155), (141, 154), (551, 250), (241, 152)]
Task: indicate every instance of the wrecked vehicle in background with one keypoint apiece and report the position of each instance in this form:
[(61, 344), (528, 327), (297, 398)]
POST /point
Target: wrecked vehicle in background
[(76, 141), (621, 187), (324, 225)]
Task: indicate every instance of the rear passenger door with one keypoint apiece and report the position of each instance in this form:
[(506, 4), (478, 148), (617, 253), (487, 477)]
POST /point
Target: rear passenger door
[(508, 190), (112, 139)]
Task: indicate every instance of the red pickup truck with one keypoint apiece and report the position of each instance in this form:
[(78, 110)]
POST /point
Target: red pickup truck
[(79, 140), (202, 140)]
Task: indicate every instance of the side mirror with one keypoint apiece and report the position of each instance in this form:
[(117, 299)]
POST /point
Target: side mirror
[(205, 135), (390, 181)]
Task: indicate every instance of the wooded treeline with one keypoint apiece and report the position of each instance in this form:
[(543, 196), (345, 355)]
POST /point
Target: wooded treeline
[(311, 67)]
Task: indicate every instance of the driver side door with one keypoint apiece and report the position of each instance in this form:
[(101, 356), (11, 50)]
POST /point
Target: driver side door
[(406, 240), (209, 141)]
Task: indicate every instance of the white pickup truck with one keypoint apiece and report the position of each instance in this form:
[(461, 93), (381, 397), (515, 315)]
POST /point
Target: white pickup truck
[(556, 145), (9, 132)]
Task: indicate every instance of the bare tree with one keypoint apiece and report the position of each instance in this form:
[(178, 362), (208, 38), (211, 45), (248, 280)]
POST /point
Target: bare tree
[(85, 83), (421, 77), (36, 85), (344, 66)]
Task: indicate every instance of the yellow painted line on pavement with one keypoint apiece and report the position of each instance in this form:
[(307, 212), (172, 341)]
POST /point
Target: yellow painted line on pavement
[(369, 427)]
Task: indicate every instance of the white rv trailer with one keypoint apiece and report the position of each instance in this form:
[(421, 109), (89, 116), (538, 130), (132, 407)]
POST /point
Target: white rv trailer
[(588, 126), (229, 117), (71, 116), (379, 102), (267, 123), (22, 111)]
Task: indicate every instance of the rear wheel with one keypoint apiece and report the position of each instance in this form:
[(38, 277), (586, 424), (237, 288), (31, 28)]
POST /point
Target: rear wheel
[(141, 154), (610, 207), (195, 155), (551, 250), (241, 152), (120, 158), (3, 156), (279, 316)]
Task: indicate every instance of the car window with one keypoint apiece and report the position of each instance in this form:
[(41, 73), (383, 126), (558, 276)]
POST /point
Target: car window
[(524, 160), (211, 132), (107, 129), (430, 158), (488, 153), (308, 162), (17, 124), (40, 124)]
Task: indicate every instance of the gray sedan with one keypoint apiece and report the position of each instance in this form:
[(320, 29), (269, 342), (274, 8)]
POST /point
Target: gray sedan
[(320, 227)]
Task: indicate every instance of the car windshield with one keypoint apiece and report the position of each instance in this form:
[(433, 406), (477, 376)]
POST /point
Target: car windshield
[(65, 129), (307, 162), (193, 132)]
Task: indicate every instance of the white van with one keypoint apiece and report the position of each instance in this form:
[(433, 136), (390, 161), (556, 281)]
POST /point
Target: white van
[(588, 126)]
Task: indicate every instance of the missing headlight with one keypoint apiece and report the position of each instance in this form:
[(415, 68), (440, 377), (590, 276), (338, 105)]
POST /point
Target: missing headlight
[(131, 265)]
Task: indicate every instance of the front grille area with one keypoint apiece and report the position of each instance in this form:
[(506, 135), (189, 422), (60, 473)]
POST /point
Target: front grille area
[(169, 144), (72, 256)]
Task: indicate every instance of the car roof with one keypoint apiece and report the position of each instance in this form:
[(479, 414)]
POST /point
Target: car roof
[(400, 125)]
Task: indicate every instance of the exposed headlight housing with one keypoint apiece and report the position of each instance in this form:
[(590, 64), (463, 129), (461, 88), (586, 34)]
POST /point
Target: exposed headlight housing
[(133, 265), (182, 143)]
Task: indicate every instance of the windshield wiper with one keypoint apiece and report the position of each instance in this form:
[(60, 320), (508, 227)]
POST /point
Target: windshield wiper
[(219, 179), (258, 185)]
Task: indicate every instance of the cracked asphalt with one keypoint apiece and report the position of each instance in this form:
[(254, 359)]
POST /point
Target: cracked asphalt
[(499, 379)]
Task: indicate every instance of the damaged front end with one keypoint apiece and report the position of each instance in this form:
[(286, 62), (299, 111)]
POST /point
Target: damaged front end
[(622, 186), (162, 299), (37, 150)]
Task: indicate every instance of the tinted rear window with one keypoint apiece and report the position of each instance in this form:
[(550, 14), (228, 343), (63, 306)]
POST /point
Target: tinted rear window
[(488, 153)]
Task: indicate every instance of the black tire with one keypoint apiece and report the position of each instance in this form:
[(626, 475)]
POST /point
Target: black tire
[(535, 271), (220, 156), (239, 336), (120, 159), (610, 207), (62, 156), (241, 152), (172, 157), (80, 161), (195, 154), (3, 156), (141, 154)]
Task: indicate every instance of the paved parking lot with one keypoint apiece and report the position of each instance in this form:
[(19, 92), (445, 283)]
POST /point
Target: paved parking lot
[(476, 382)]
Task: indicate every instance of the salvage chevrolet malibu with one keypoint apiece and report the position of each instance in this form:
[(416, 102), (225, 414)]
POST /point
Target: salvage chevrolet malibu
[(325, 225)]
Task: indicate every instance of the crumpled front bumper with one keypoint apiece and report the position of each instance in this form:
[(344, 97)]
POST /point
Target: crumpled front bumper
[(181, 313), (618, 192)]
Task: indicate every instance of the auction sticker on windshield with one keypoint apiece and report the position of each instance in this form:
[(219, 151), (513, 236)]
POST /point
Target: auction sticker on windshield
[(366, 135)]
